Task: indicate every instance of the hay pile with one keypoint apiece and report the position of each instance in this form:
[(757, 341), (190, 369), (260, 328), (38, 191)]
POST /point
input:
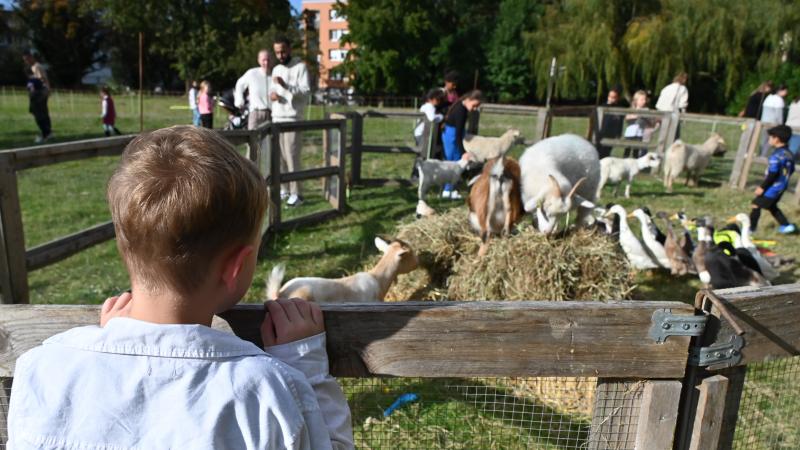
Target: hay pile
[(581, 265)]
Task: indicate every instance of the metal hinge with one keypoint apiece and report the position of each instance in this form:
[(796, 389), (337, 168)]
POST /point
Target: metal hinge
[(726, 355), (666, 324)]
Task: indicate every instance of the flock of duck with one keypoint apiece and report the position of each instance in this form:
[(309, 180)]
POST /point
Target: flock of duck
[(721, 259)]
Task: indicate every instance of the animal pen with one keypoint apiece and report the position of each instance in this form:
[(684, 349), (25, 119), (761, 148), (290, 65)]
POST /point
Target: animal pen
[(544, 375)]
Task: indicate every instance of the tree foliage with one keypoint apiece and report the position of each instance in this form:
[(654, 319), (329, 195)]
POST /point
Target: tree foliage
[(509, 67)]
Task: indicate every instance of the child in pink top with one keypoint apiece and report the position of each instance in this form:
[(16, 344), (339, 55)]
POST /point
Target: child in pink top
[(205, 106)]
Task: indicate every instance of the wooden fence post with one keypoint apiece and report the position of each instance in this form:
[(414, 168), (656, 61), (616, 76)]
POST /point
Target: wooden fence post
[(710, 408), (275, 177), (615, 402), (356, 146), (254, 146), (474, 119), (542, 124), (341, 160), (751, 152), (741, 153), (733, 397), (658, 415), (13, 267)]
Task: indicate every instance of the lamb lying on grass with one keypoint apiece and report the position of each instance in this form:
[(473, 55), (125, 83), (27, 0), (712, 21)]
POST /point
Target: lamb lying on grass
[(617, 169), (398, 258), (484, 148)]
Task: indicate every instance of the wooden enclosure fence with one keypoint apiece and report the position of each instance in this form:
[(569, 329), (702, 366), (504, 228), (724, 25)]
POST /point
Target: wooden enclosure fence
[(16, 261), (653, 344)]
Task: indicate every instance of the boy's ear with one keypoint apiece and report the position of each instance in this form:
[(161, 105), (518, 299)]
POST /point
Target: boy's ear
[(233, 264)]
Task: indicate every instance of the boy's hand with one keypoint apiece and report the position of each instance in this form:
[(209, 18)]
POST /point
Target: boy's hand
[(759, 190), (290, 320), (119, 306)]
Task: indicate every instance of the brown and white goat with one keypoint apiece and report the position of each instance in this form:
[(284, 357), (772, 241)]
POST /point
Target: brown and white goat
[(495, 202), (371, 286)]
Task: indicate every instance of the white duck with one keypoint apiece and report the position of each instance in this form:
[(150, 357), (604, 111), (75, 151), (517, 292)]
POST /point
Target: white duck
[(769, 272), (637, 255), (649, 238)]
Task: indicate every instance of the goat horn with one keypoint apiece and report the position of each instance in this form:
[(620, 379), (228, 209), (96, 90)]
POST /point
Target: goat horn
[(575, 187), (556, 189)]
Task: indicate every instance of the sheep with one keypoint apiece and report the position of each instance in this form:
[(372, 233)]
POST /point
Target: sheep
[(433, 172), (495, 203), (692, 158), (555, 166), (618, 169), (484, 148), (372, 286)]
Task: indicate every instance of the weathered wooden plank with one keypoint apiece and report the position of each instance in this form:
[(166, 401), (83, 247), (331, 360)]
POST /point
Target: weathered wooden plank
[(304, 125), (733, 397), (341, 162), (438, 339), (713, 118), (274, 217), (638, 112), (658, 415), (628, 143), (769, 319), (615, 412), (708, 420), (387, 149), (12, 234), (496, 108), (28, 157), (741, 153), (62, 248), (751, 152), (303, 221), (356, 152), (396, 114), (308, 174)]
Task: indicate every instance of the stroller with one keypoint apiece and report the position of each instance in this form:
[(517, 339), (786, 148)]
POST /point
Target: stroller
[(237, 117)]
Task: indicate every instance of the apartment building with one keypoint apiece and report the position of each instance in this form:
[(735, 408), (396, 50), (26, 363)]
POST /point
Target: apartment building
[(330, 28)]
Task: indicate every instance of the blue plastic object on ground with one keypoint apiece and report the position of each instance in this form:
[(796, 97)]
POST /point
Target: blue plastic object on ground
[(401, 400)]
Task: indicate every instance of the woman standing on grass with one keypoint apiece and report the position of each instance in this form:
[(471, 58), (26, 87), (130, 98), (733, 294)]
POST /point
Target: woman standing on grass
[(453, 135), (109, 113), (205, 105)]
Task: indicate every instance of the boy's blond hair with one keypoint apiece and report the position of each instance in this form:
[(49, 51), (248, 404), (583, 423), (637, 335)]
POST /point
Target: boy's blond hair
[(180, 197)]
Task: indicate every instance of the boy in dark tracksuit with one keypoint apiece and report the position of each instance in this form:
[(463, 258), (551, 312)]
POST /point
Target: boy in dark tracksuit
[(781, 168)]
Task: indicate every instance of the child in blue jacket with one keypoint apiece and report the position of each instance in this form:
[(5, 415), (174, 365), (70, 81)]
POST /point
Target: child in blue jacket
[(781, 168)]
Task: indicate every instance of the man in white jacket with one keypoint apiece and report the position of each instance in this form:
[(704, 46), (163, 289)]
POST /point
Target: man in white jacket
[(257, 82), (289, 94)]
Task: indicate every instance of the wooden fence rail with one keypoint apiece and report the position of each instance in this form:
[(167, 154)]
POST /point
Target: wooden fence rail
[(16, 261)]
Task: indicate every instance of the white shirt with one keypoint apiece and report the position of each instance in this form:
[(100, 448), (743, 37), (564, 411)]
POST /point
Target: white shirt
[(257, 82), (793, 119), (193, 98), (139, 385), (293, 98), (772, 109), (430, 113), (674, 97)]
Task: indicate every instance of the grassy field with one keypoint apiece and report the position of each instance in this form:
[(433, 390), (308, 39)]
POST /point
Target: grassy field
[(64, 198)]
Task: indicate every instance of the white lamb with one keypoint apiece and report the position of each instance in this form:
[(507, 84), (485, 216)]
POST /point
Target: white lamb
[(692, 158), (433, 172), (558, 174), (617, 169), (484, 148)]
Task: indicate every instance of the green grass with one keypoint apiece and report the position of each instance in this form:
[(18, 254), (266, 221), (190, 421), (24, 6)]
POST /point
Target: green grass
[(64, 198)]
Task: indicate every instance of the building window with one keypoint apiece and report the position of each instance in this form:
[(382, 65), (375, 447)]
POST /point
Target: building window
[(335, 35), (335, 17), (336, 76), (337, 54)]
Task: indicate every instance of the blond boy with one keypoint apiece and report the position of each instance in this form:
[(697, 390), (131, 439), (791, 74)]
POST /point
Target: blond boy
[(187, 210)]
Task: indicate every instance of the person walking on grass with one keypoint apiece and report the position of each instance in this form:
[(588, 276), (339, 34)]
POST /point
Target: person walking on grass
[(289, 94), (455, 123), (779, 170), (205, 105), (38, 93), (187, 211), (193, 104), (109, 113)]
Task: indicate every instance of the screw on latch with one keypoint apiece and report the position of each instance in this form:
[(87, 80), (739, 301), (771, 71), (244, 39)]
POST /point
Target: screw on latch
[(686, 326), (666, 326)]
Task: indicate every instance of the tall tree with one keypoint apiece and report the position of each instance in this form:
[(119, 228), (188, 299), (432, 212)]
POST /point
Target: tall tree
[(510, 69)]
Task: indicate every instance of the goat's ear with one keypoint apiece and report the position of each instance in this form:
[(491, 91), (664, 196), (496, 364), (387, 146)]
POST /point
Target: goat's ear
[(381, 244), (583, 203), (555, 189), (575, 187), (530, 205)]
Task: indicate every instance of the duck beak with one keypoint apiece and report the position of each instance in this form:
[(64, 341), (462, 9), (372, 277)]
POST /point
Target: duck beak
[(674, 217), (631, 215), (731, 219)]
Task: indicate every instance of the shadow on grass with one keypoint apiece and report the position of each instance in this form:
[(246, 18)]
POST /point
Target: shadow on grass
[(459, 413)]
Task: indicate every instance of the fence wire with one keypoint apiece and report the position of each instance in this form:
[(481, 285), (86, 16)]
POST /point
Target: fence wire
[(769, 412), (493, 413), (5, 395)]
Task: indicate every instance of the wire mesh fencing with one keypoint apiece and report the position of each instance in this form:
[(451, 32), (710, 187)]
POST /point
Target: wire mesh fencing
[(769, 411), (493, 413), (5, 395)]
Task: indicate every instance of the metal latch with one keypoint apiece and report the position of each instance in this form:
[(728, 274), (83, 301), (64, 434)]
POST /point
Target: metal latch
[(726, 354), (666, 324)]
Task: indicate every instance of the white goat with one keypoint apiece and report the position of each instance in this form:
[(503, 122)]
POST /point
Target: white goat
[(484, 148), (556, 171), (617, 169), (372, 286), (692, 158), (433, 172)]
